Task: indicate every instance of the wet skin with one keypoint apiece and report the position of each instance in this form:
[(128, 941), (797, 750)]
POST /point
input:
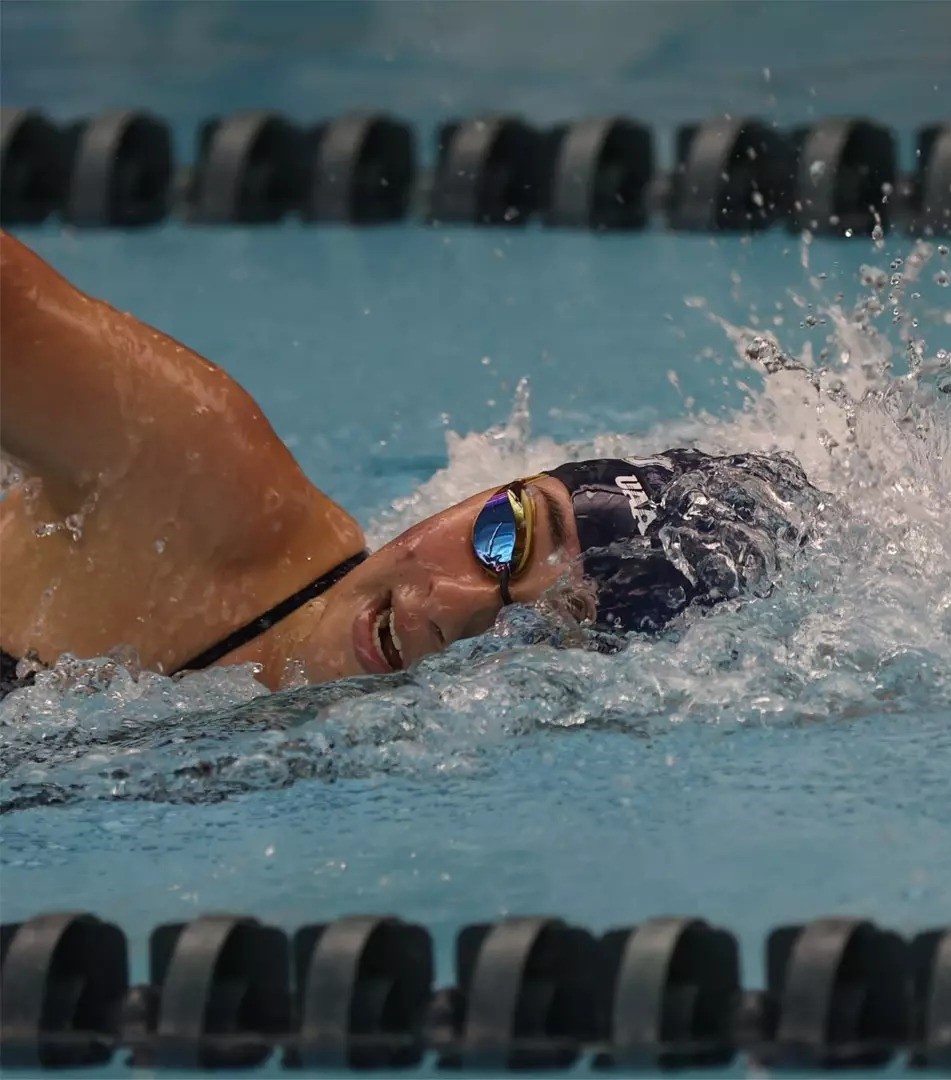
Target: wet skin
[(436, 588), (191, 517)]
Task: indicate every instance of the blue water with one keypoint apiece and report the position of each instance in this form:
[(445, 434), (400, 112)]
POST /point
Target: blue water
[(807, 777)]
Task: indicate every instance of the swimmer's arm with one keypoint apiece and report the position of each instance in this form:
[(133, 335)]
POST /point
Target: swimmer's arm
[(82, 385), (89, 395)]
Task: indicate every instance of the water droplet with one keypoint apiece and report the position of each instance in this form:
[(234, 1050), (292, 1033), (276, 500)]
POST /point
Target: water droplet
[(160, 546), (896, 264), (817, 171), (872, 276), (943, 250), (74, 525), (848, 233), (942, 278)]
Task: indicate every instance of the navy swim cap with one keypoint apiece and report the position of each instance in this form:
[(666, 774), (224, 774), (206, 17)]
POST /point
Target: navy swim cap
[(685, 528), (617, 508)]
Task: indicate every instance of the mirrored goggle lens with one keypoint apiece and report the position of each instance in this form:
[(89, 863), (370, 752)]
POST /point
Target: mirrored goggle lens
[(495, 535)]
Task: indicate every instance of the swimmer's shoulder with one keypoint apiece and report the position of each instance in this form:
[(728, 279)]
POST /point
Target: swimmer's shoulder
[(97, 403)]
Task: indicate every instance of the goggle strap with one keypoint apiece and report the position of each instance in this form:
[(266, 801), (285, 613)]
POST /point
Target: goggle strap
[(504, 588)]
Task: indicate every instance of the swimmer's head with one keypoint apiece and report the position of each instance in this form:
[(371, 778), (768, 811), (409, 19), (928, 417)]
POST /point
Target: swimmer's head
[(564, 535)]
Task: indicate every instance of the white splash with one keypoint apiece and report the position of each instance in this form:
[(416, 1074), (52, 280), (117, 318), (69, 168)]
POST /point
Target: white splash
[(862, 625)]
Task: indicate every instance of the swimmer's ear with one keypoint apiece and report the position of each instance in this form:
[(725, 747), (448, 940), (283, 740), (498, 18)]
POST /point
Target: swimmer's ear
[(581, 603), (575, 602)]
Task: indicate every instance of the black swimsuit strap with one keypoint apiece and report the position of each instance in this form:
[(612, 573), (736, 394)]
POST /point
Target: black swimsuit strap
[(257, 626)]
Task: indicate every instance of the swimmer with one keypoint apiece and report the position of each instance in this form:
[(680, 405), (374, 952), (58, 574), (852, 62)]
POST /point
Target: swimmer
[(157, 509)]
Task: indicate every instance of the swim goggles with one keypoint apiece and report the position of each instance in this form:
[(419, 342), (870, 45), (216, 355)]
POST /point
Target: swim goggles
[(502, 534)]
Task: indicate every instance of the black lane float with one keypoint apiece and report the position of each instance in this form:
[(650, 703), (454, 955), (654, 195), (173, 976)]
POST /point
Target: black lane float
[(730, 174), (226, 991), (358, 169), (249, 170), (31, 170), (487, 172), (598, 174), (837, 177)]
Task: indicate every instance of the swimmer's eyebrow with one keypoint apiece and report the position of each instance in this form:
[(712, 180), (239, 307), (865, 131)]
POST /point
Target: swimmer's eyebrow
[(556, 518)]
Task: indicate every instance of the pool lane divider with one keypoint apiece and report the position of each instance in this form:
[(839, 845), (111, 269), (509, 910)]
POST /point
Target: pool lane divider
[(836, 177), (227, 991)]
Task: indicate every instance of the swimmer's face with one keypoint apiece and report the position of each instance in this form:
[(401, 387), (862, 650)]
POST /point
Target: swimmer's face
[(427, 589)]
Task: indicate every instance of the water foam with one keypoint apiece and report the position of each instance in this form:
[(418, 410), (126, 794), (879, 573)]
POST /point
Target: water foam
[(861, 627)]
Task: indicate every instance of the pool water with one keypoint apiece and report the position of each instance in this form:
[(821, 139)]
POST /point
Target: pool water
[(772, 763)]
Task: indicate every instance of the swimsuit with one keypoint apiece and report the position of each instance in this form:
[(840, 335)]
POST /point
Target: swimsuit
[(241, 636)]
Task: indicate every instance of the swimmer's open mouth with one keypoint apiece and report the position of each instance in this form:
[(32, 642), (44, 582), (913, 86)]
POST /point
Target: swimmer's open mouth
[(386, 639), (376, 641)]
